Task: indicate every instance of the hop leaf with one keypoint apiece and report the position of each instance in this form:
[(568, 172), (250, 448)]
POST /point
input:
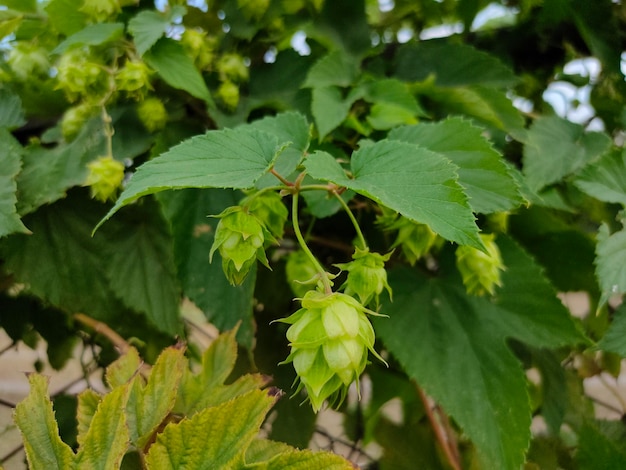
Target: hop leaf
[(480, 271), (239, 237), (268, 207), (367, 276), (152, 114), (105, 177), (329, 338)]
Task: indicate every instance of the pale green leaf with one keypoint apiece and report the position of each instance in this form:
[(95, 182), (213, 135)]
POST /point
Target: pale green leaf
[(149, 405), (10, 21), (605, 179), (597, 452), (261, 450), (148, 26), (10, 153), (88, 401), (556, 148), (416, 182), (385, 116), (177, 69), (452, 65), (614, 340), (123, 369), (611, 262), (11, 112), (203, 282), (107, 439), (34, 416), (329, 109), (65, 16), (215, 437), (482, 171), (259, 457), (391, 91), (335, 69), (141, 268), (219, 159), (92, 35)]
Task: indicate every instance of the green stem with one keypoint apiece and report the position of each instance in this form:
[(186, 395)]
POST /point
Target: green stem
[(296, 228), (108, 131), (359, 233)]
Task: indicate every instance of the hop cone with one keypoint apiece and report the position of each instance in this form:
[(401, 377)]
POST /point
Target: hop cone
[(105, 176), (480, 271), (269, 208), (329, 338), (367, 276)]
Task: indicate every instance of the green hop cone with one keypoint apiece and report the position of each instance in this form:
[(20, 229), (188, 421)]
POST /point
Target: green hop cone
[(269, 208), (231, 67), (367, 276), (480, 271), (415, 239), (200, 47), (301, 272), (133, 78), (74, 119), (239, 237), (100, 10), (329, 338), (152, 114), (28, 60), (228, 95), (79, 76), (105, 177)]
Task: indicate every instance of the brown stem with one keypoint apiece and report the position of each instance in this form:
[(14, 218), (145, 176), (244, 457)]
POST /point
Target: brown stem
[(281, 178), (442, 439), (104, 329)]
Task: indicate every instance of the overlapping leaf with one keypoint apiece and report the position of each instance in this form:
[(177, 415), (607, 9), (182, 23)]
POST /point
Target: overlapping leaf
[(449, 341), (605, 179), (611, 262), (10, 162), (482, 172), (416, 182), (148, 26), (92, 35)]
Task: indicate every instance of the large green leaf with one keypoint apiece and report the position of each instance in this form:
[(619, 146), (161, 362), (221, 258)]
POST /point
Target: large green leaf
[(219, 159), (141, 268), (605, 179), (416, 182), (293, 459), (148, 26), (11, 112), (555, 148), (177, 69), (65, 17), (35, 419), (597, 452), (335, 69), (107, 439), (343, 23), (60, 262), (215, 437), (204, 283), (92, 35), (611, 262), (449, 341), (482, 171), (329, 108), (452, 65), (10, 162)]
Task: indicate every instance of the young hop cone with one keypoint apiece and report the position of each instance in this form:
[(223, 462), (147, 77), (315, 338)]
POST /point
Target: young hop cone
[(269, 208), (480, 271), (239, 237), (105, 177), (415, 239), (300, 272), (329, 338), (367, 276)]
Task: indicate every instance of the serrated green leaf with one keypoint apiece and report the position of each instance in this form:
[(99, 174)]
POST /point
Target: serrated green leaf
[(92, 35), (605, 179), (123, 369), (148, 26), (614, 340), (215, 437), (611, 262), (65, 17), (60, 262), (556, 148), (107, 439), (203, 282), (10, 162), (35, 419), (261, 450), (597, 452), (416, 182), (391, 91), (149, 405), (482, 171), (554, 390), (329, 109), (335, 69), (343, 23), (219, 159), (259, 457), (141, 268), (177, 69), (452, 65), (385, 116), (88, 401), (11, 112)]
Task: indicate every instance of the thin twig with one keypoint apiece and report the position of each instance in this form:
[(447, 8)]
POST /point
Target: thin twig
[(351, 445), (437, 429), (11, 454), (102, 328), (8, 404)]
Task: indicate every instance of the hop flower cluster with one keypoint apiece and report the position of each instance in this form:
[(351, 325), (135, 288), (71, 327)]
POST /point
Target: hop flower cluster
[(367, 276), (105, 177), (329, 338), (480, 271)]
